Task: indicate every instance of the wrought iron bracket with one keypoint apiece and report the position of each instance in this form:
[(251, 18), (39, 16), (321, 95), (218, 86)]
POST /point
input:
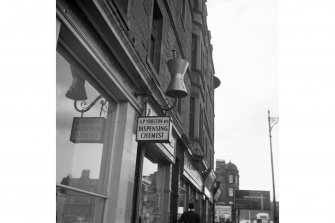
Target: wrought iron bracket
[(163, 107), (87, 108)]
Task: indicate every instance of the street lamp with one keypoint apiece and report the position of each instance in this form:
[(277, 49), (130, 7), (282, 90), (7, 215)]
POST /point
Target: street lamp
[(272, 122)]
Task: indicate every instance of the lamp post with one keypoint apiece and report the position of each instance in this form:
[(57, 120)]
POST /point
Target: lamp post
[(272, 122)]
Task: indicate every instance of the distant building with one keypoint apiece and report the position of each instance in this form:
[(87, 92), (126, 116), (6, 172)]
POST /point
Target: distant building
[(227, 178)]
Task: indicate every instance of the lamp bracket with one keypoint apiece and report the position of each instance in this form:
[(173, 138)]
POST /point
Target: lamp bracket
[(273, 121), (163, 107)]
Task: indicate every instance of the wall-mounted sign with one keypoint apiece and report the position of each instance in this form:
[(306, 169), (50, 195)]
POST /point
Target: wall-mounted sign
[(154, 129), (87, 130), (252, 199), (209, 182)]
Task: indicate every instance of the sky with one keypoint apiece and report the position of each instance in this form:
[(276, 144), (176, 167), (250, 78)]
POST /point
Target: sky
[(245, 47)]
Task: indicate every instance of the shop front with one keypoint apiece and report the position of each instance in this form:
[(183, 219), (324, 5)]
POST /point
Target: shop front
[(102, 173)]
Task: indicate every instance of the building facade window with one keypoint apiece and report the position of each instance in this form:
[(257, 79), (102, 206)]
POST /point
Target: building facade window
[(231, 178), (183, 12), (156, 38), (179, 106), (192, 115), (236, 179), (231, 192), (201, 124), (197, 5), (123, 8), (194, 51)]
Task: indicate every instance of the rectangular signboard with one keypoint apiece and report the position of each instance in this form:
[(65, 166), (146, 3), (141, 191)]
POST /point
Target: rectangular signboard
[(223, 211), (252, 200), (154, 129), (87, 130)]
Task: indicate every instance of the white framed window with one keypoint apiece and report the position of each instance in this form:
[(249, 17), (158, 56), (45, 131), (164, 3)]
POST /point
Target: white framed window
[(231, 192), (231, 178)]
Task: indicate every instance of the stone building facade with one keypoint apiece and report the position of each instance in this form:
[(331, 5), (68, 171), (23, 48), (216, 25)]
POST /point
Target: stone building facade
[(227, 177), (112, 58)]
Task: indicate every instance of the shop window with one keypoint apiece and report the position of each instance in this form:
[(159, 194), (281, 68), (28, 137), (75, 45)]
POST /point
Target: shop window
[(192, 198), (182, 199), (156, 38), (81, 142), (231, 192), (150, 196), (231, 179)]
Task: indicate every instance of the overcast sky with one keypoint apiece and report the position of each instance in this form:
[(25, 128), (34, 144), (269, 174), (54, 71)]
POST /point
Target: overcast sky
[(245, 43)]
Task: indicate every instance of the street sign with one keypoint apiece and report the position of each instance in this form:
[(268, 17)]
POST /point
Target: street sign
[(252, 200), (154, 129)]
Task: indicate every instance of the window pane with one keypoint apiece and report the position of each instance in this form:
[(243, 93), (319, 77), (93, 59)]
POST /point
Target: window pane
[(181, 198), (231, 192), (78, 164), (230, 179), (72, 206), (150, 197)]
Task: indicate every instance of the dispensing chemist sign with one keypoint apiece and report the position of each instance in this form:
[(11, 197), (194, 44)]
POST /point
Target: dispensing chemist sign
[(154, 129)]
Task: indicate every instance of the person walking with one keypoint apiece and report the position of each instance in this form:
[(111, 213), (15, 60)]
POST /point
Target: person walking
[(189, 216)]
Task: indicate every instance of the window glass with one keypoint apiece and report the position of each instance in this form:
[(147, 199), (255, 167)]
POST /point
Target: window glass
[(230, 179), (72, 206), (192, 198), (156, 37), (150, 196), (81, 141), (192, 115), (78, 164), (231, 192)]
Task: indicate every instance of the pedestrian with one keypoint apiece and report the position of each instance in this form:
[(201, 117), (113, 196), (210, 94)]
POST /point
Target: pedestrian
[(189, 216)]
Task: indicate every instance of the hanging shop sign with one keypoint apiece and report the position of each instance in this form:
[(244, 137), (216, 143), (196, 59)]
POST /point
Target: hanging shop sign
[(217, 193), (208, 194), (209, 182), (87, 130), (154, 129)]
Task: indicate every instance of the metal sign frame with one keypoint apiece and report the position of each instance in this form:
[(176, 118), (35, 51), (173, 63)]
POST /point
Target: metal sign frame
[(166, 122)]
